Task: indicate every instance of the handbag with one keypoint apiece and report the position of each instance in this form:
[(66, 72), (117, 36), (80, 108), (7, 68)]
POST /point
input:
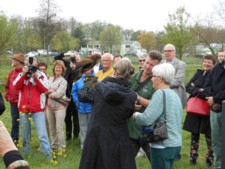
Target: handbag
[(157, 131), (64, 100), (2, 104), (198, 106)]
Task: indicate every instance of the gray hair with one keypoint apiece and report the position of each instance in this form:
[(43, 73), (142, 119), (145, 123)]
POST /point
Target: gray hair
[(124, 69), (142, 56), (170, 46), (107, 55), (165, 70)]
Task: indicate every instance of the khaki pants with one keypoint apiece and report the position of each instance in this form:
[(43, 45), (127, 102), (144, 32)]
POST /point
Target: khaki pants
[(56, 125)]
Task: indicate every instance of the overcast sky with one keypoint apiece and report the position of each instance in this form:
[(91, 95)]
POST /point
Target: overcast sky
[(149, 15)]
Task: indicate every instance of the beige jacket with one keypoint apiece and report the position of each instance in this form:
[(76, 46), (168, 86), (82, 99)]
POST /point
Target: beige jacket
[(59, 86), (177, 83)]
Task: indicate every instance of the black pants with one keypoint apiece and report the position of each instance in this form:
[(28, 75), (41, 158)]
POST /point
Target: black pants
[(195, 145), (137, 144), (72, 121)]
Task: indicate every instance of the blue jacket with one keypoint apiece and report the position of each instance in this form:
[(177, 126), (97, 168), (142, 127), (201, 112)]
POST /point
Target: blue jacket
[(81, 106)]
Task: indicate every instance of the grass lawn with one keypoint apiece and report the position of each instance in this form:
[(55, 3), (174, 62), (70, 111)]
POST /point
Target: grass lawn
[(71, 157)]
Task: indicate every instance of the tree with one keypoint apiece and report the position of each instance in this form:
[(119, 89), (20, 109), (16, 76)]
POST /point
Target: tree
[(220, 10), (127, 34), (111, 39), (63, 41), (134, 36), (8, 30), (178, 32), (147, 40), (158, 37), (208, 35), (94, 29), (46, 21)]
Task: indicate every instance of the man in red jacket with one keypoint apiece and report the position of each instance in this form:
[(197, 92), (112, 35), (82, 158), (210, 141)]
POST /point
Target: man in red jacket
[(32, 84), (11, 94)]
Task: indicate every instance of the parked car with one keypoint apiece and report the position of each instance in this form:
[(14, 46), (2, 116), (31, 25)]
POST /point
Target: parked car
[(42, 52), (9, 52), (32, 53), (53, 54), (70, 52)]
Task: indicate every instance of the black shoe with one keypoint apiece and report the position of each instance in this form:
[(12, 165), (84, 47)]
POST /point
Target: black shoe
[(178, 157), (193, 161), (68, 138), (75, 137), (209, 163)]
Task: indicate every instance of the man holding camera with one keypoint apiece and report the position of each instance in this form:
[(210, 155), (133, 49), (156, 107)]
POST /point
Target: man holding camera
[(32, 85)]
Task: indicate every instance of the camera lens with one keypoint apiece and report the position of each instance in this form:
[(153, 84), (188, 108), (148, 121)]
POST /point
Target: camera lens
[(33, 69)]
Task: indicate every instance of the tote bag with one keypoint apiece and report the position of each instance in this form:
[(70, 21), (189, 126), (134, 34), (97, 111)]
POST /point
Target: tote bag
[(198, 106)]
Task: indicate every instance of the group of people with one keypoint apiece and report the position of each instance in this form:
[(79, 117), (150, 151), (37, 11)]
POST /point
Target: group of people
[(109, 103)]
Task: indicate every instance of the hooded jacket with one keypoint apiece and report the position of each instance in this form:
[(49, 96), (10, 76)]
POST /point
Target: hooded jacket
[(32, 91)]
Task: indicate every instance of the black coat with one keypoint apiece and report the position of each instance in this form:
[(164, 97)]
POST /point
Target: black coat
[(107, 144), (196, 123)]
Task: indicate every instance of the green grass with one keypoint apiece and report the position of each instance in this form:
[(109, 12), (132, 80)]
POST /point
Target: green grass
[(70, 159)]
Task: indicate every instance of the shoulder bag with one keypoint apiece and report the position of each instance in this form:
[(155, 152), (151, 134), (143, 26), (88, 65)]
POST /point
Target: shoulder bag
[(64, 100), (157, 131)]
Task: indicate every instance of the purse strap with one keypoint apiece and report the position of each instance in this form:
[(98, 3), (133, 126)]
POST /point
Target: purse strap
[(164, 107)]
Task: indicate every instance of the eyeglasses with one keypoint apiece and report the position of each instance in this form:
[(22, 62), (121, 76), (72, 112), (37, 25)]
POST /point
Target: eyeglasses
[(141, 60), (106, 60), (168, 50), (154, 76)]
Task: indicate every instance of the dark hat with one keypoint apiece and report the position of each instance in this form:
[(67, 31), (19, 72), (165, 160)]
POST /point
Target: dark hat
[(19, 57)]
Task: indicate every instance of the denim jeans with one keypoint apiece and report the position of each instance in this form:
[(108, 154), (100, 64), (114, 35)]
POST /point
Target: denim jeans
[(84, 119), (216, 129), (39, 122), (15, 122)]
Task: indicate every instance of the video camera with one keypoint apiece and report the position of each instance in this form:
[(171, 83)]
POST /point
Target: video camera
[(32, 69)]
